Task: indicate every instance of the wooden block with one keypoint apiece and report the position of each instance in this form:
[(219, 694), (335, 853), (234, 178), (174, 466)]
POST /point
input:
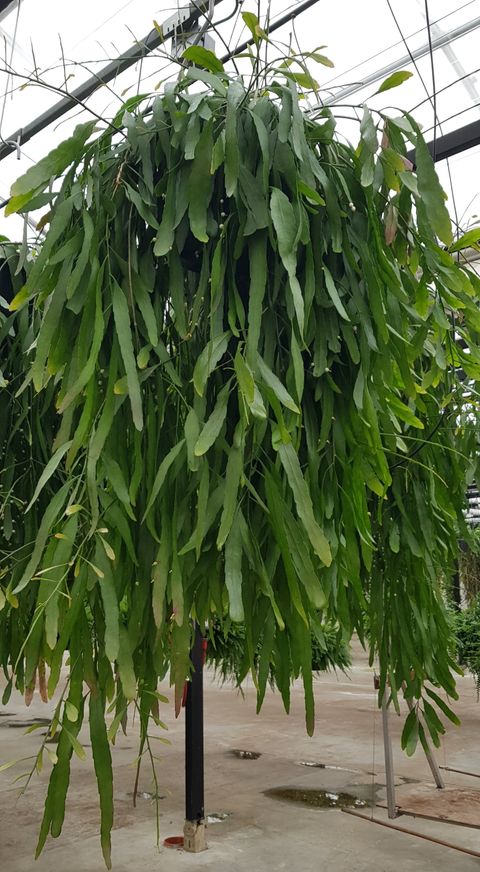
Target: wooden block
[(194, 837)]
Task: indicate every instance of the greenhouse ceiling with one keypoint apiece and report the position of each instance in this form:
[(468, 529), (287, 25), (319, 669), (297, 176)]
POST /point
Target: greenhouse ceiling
[(47, 51)]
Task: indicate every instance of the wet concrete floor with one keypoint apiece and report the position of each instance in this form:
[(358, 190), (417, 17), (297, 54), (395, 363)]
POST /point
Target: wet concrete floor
[(251, 829)]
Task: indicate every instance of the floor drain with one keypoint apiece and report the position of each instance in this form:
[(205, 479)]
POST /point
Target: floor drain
[(22, 725), (316, 798)]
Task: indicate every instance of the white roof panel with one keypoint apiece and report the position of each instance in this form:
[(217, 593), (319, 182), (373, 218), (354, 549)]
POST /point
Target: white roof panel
[(44, 38)]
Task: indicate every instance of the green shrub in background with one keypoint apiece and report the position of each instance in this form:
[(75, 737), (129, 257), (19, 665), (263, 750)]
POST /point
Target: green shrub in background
[(467, 631), (227, 652), (469, 567)]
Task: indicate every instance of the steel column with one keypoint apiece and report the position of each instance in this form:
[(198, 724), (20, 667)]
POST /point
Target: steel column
[(194, 834), (389, 771)]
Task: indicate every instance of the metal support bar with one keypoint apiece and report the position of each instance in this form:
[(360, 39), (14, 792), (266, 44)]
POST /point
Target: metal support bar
[(460, 771), (387, 744), (137, 51), (468, 82), (123, 62), (456, 590), (390, 826), (439, 42), (284, 19), (453, 143), (194, 831), (5, 7)]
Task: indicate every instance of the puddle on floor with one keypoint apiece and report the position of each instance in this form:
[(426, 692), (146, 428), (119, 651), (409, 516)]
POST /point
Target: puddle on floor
[(22, 725), (217, 817), (355, 795), (244, 755)]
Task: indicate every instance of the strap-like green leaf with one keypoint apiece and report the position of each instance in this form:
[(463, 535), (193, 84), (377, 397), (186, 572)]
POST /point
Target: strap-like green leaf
[(214, 424), (122, 324), (200, 185), (47, 473), (235, 95), (102, 761), (48, 520), (273, 382), (162, 474), (233, 570), (203, 57), (286, 226), (395, 80), (232, 483), (55, 163), (431, 192), (303, 502), (208, 359)]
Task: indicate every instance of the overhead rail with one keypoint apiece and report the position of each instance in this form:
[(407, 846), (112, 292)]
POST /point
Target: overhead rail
[(5, 7), (185, 18), (272, 27), (439, 42), (452, 143), (447, 145)]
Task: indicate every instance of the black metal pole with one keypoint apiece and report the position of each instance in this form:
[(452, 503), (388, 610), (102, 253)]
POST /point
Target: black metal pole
[(194, 773)]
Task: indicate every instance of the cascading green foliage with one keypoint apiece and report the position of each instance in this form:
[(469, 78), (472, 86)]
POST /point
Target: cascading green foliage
[(238, 350), (28, 424)]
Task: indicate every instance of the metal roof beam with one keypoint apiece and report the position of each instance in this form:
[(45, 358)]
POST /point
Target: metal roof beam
[(5, 7), (439, 42), (186, 18), (274, 25), (453, 143)]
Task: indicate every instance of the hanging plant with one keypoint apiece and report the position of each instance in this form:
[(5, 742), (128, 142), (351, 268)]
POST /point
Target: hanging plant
[(247, 329)]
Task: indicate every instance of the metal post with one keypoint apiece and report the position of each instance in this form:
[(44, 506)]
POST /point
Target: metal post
[(194, 829), (456, 592), (387, 744), (434, 769)]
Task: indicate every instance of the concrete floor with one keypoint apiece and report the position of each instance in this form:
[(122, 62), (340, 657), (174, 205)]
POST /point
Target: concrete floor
[(261, 833)]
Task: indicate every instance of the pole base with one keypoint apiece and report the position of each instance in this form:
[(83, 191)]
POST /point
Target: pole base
[(194, 837)]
